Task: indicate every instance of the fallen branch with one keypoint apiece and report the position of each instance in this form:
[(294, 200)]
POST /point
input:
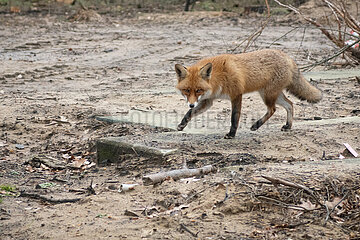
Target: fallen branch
[(294, 185), (48, 199), (288, 183), (284, 205), (177, 174), (282, 36)]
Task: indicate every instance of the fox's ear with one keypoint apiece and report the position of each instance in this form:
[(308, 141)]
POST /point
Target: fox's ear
[(181, 71), (205, 71)]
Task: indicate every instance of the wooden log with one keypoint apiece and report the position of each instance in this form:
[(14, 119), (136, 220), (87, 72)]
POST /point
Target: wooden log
[(177, 174)]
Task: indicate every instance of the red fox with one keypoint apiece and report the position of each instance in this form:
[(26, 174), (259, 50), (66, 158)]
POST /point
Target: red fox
[(231, 75)]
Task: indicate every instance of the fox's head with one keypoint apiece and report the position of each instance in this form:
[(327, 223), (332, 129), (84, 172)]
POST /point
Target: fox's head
[(193, 83)]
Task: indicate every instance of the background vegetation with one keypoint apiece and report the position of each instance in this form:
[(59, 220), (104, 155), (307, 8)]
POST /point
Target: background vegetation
[(58, 6)]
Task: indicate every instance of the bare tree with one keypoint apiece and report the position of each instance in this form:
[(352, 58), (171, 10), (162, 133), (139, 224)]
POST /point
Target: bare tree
[(344, 20)]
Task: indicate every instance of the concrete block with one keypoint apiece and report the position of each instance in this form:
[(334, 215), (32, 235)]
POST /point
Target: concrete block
[(110, 150)]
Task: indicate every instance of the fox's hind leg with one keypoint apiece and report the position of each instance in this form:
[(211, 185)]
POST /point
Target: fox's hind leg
[(287, 104), (261, 121), (271, 108), (200, 108)]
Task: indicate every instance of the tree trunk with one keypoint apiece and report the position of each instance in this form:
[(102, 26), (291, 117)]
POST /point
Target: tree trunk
[(187, 5)]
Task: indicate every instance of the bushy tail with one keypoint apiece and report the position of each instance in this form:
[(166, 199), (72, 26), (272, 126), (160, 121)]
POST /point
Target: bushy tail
[(303, 90)]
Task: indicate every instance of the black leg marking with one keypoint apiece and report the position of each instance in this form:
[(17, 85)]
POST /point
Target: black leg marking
[(185, 120), (286, 127), (261, 121), (229, 135), (256, 125), (235, 117), (202, 107)]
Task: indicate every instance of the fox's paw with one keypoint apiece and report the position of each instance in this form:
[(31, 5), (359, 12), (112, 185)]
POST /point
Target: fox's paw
[(254, 127), (286, 128), (229, 136), (180, 127)]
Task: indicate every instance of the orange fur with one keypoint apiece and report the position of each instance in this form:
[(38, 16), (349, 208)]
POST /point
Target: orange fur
[(267, 71)]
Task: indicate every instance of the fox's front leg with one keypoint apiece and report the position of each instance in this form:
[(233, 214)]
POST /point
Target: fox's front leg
[(200, 108), (235, 116), (185, 120)]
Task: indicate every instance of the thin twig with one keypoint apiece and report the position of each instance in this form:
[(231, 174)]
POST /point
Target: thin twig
[(341, 10), (335, 30), (132, 148), (302, 40), (284, 205), (332, 210), (327, 213), (287, 183), (337, 19), (257, 34), (284, 35), (90, 189), (252, 38), (188, 230), (324, 60), (319, 26)]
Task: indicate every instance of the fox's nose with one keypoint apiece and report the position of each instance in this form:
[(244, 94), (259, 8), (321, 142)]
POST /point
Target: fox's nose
[(191, 105)]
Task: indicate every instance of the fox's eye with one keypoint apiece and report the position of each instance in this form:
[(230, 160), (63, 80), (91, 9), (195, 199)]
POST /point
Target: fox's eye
[(186, 91), (198, 91)]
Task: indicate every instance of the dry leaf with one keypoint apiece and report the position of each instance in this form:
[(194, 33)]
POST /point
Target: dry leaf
[(333, 203), (307, 205), (77, 163)]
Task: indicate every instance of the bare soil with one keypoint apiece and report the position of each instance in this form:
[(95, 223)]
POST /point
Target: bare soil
[(57, 75)]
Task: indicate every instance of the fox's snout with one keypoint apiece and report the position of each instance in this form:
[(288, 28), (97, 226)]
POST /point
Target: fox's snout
[(192, 105), (192, 101)]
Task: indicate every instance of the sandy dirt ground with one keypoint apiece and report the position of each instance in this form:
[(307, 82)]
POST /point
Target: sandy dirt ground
[(56, 76)]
